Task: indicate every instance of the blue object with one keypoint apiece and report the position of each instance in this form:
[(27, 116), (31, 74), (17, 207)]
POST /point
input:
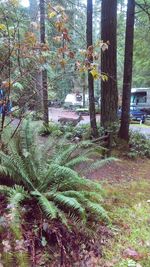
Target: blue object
[(135, 114), (2, 94), (7, 108), (1, 109)]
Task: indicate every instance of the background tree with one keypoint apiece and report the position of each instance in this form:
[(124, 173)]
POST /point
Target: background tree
[(89, 37), (37, 77), (141, 63), (44, 71), (127, 79), (109, 93)]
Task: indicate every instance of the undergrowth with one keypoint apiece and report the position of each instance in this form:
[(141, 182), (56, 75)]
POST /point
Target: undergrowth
[(139, 145), (129, 210), (41, 179)]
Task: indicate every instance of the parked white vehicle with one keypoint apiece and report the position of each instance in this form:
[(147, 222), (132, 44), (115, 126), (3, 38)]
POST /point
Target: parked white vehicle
[(75, 100)]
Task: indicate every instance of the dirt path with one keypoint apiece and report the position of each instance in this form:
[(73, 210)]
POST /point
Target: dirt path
[(123, 170)]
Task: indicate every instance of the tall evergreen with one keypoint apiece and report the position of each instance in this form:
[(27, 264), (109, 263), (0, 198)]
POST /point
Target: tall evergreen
[(89, 38), (44, 71), (109, 93), (37, 76), (127, 80)]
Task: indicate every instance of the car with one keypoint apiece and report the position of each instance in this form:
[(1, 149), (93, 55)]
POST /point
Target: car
[(135, 114)]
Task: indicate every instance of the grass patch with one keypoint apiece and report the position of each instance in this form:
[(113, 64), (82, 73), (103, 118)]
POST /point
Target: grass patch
[(143, 125), (130, 214)]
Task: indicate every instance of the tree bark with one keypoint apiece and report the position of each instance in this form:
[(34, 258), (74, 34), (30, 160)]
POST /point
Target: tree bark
[(37, 76), (84, 88), (109, 92), (44, 72), (128, 62), (89, 38)]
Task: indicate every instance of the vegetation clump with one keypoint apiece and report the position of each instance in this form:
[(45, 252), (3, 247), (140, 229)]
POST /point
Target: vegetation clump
[(41, 178), (139, 145)]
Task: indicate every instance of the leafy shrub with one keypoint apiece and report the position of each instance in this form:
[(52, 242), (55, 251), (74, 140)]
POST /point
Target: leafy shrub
[(139, 145), (51, 128), (36, 115), (16, 112), (83, 131)]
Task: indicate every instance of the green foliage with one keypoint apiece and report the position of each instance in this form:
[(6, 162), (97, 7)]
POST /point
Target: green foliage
[(98, 164), (139, 145), (82, 131), (51, 129), (128, 263), (69, 131), (129, 210), (45, 174), (141, 63), (16, 112), (35, 115), (7, 258)]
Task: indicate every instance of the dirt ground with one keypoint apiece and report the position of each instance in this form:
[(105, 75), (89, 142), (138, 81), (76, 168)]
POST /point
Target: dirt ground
[(121, 171)]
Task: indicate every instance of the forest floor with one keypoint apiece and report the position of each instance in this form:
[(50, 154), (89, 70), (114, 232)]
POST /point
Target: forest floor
[(127, 200), (127, 184)]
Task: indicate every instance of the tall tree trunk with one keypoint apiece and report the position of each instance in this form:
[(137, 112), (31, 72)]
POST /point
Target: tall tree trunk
[(127, 80), (89, 36), (83, 83), (44, 72), (37, 76), (109, 92)]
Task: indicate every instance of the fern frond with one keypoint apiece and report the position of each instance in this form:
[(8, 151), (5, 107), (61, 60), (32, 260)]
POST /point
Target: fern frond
[(76, 161), (15, 166), (97, 210), (22, 259), (69, 202), (16, 196), (5, 189), (27, 135), (64, 154), (85, 144), (57, 174), (82, 195), (100, 163), (48, 207), (6, 171)]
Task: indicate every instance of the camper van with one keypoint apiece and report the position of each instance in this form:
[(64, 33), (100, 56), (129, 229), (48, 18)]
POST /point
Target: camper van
[(75, 100), (140, 97)]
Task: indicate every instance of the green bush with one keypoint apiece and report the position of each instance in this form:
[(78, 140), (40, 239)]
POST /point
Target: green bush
[(16, 112), (50, 129), (36, 115), (83, 131), (139, 145)]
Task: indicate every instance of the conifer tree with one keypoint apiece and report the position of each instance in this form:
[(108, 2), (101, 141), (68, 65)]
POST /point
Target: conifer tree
[(127, 79)]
